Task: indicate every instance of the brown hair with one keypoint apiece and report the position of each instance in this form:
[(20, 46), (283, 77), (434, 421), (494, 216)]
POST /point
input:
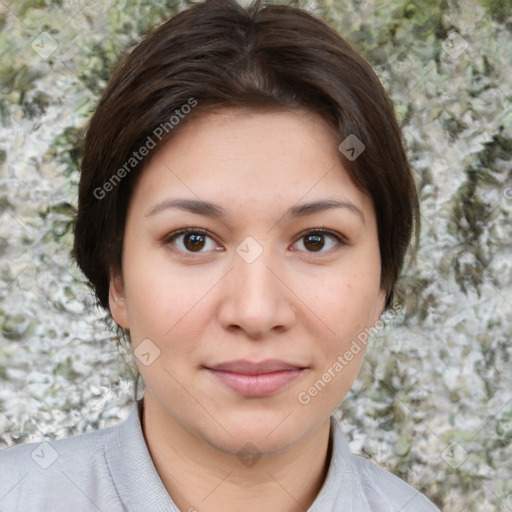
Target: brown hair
[(217, 53)]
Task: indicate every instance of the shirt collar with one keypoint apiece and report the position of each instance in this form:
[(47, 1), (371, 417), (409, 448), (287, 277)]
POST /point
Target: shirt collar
[(140, 488), (138, 483)]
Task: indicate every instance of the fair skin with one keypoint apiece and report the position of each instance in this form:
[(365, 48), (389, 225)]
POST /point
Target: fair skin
[(203, 304)]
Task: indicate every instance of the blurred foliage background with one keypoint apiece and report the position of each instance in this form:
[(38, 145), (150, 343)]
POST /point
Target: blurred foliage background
[(433, 402)]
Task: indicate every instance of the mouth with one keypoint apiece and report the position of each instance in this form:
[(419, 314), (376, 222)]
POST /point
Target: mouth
[(253, 379)]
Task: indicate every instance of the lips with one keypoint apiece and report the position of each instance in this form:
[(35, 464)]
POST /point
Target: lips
[(249, 368), (255, 379)]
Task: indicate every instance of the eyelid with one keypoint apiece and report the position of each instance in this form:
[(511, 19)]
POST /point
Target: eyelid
[(184, 231), (338, 236)]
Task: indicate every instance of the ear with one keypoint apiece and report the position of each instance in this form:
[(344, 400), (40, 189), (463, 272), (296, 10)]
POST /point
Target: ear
[(380, 304), (117, 301)]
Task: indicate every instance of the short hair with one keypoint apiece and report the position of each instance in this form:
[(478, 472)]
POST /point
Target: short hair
[(264, 56)]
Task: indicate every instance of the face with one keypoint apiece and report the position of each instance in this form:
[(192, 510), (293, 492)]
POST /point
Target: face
[(241, 271)]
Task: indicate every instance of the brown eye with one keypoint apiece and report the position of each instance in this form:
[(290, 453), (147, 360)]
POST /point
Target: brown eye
[(315, 240), (193, 241), (190, 241)]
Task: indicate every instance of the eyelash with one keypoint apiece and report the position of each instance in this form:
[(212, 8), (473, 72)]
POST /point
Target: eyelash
[(340, 239)]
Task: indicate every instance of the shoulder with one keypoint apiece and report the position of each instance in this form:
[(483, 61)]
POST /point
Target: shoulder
[(385, 487), (54, 475), (43, 455), (355, 483)]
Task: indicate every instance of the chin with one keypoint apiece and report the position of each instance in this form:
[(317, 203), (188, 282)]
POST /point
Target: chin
[(270, 431)]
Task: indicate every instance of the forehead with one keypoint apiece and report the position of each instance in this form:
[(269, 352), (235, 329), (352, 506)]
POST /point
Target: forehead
[(233, 156)]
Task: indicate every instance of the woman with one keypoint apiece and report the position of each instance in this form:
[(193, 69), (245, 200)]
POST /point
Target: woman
[(245, 204)]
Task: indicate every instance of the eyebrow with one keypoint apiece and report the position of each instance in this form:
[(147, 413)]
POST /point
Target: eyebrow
[(213, 210)]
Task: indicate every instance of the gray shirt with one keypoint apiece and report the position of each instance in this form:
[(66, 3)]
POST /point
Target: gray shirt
[(111, 470)]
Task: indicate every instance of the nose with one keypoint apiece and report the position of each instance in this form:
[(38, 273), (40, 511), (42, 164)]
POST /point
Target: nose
[(256, 298)]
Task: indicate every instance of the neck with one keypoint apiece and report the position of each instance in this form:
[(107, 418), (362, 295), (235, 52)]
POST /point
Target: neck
[(199, 477)]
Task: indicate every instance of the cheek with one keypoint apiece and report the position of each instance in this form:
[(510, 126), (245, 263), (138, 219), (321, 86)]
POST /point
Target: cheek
[(348, 310), (347, 306), (165, 302), (347, 301)]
